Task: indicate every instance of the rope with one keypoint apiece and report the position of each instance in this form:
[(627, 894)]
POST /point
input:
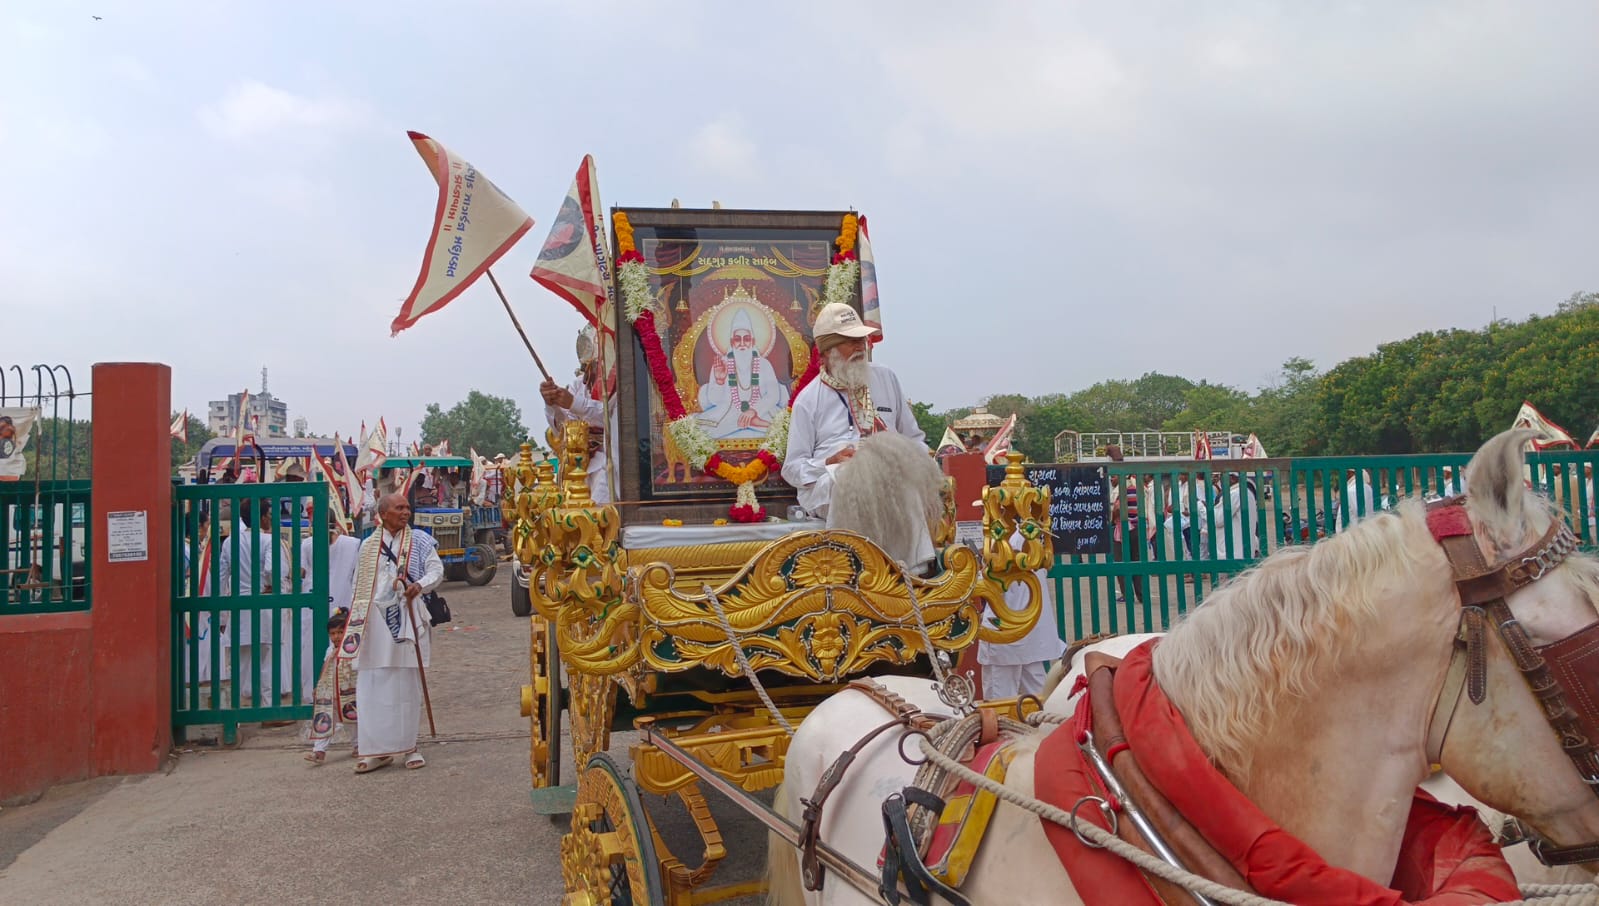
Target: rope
[(1544, 894), (939, 674), (744, 662)]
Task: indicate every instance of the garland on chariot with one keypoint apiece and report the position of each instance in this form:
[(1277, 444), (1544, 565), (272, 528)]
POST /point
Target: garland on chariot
[(843, 274)]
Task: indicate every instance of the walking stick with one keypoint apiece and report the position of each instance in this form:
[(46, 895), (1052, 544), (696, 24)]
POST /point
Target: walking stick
[(417, 631)]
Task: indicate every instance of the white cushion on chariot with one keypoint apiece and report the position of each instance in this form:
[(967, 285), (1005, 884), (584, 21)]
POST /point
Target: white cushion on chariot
[(640, 537)]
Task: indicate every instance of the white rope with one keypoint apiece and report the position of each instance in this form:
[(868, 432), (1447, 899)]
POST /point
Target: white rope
[(939, 675), (744, 663), (1544, 894)]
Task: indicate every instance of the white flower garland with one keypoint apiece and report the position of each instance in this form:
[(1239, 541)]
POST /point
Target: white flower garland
[(691, 439), (635, 280), (841, 280), (776, 442)]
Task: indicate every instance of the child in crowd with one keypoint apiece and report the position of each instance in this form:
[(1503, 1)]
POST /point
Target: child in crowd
[(335, 696)]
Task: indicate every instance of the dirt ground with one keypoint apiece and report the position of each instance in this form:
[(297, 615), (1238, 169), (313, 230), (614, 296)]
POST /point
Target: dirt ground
[(257, 824)]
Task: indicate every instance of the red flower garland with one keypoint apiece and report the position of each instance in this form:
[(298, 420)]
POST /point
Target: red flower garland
[(655, 358)]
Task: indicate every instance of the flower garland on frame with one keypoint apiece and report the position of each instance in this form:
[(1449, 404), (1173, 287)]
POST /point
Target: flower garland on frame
[(690, 437)]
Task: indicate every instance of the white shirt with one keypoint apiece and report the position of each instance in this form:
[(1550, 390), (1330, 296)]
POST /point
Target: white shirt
[(1043, 643), (260, 564), (1361, 502), (823, 424), (592, 412), (343, 557), (378, 648)]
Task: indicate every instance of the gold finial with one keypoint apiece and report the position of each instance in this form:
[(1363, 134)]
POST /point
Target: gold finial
[(577, 463)]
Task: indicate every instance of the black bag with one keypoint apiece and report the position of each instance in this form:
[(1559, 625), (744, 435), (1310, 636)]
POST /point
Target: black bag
[(438, 608)]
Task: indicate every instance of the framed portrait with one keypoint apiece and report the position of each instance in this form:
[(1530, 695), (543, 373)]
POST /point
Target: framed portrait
[(734, 294)]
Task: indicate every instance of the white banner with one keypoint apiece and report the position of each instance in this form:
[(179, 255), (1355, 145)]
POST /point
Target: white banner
[(473, 225), (16, 424)]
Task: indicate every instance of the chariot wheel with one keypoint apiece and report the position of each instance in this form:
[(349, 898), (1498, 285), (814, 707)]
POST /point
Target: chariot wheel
[(521, 598), (481, 564), (608, 858), (541, 704)]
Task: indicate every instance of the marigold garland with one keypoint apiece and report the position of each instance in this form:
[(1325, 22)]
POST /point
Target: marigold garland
[(684, 428)]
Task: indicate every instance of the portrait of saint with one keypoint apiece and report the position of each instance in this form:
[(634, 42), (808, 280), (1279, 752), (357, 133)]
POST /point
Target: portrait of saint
[(740, 392)]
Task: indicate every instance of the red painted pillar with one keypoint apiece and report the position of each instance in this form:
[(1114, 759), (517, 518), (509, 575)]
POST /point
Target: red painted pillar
[(132, 596)]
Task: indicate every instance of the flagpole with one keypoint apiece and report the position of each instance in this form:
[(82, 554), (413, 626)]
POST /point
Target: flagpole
[(525, 341)]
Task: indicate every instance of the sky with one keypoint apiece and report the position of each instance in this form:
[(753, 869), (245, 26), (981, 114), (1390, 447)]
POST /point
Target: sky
[(1059, 193)]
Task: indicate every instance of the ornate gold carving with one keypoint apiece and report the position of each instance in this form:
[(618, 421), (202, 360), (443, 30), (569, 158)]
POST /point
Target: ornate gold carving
[(541, 700), (821, 605), (606, 843), (1014, 507), (944, 531), (747, 749), (592, 706)]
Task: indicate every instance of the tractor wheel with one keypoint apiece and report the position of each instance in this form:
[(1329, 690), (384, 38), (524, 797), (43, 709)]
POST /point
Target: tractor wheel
[(521, 598), (608, 858), (480, 564), (454, 572)]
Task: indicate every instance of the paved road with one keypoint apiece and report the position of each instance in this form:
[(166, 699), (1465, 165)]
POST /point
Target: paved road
[(257, 824)]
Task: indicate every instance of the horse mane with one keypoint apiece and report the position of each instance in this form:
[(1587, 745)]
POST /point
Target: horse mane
[(889, 491)]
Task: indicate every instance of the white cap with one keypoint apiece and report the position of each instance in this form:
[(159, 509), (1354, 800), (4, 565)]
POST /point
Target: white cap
[(839, 319)]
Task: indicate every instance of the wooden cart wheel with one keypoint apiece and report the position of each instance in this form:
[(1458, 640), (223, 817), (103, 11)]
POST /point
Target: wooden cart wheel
[(608, 858), (542, 704)]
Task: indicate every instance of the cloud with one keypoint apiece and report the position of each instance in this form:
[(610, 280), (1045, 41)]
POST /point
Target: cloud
[(723, 147), (252, 109)]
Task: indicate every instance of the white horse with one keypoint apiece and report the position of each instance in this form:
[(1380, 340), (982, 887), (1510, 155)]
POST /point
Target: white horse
[(1310, 682)]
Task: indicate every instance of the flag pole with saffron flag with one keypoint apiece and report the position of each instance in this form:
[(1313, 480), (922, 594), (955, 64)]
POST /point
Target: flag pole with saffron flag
[(474, 224)]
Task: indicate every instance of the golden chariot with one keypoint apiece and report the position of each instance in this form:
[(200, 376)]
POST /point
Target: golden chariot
[(655, 612)]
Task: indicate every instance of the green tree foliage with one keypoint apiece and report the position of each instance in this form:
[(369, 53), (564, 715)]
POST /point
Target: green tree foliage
[(489, 424), (1445, 390), (58, 449), (198, 435)]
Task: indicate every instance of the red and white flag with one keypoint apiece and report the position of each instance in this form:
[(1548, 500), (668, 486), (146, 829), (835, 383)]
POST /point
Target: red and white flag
[(473, 225), (1549, 433), (575, 262), (374, 450), (354, 491), (999, 445), (1202, 445), (1253, 449), (443, 449), (1593, 439), (323, 471), (871, 313), (180, 426)]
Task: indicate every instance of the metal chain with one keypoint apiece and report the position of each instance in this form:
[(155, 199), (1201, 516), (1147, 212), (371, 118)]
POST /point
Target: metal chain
[(743, 662), (1535, 894)]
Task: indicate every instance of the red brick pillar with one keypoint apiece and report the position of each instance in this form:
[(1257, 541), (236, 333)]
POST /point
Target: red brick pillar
[(132, 598)]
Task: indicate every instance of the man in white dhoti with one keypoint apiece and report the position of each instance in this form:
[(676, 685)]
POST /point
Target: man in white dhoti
[(743, 394), (580, 401), (255, 577), (389, 636), (852, 399)]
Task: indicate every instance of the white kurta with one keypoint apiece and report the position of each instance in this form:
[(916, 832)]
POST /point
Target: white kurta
[(254, 565), (592, 412), (388, 686), (822, 424), (1357, 502)]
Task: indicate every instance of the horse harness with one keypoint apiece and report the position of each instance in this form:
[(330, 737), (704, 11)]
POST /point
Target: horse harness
[(1554, 672)]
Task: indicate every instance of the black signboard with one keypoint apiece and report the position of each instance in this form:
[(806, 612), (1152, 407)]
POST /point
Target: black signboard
[(1079, 504)]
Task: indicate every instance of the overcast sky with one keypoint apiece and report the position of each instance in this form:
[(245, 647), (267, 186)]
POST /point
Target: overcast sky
[(1059, 193)]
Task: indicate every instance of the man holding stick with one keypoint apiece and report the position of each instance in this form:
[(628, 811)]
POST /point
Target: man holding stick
[(389, 636)]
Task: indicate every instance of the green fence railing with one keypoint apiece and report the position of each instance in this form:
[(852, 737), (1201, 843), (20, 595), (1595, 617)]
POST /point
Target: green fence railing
[(45, 565), (1190, 525), (249, 602)]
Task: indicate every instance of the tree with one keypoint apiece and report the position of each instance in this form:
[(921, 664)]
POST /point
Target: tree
[(182, 452), (489, 424), (932, 423), (58, 449)]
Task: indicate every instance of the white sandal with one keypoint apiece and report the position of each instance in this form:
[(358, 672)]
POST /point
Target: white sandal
[(414, 761)]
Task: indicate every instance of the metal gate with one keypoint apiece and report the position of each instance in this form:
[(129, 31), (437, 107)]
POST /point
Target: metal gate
[(1199, 522), (249, 602)]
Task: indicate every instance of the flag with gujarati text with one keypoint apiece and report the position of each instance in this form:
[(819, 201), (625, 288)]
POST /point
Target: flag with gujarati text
[(474, 224), (374, 450), (871, 312), (1549, 433), (575, 262)]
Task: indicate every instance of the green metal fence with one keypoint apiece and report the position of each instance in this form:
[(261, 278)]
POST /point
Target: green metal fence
[(44, 493), (249, 602), (1189, 525)]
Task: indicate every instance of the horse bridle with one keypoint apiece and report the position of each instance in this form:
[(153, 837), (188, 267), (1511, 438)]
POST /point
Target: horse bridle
[(1554, 672)]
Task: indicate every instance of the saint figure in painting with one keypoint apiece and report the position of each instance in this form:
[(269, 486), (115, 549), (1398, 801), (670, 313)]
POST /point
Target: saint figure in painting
[(742, 393)]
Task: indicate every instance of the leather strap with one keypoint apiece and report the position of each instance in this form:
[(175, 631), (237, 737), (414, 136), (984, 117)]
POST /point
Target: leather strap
[(1190, 845), (901, 861)]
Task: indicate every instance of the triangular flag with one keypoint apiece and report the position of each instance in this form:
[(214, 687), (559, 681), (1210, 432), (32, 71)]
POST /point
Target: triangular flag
[(354, 493), (1202, 445), (180, 426), (473, 225), (443, 449), (1253, 449), (1549, 433), (1593, 439), (324, 472), (950, 442), (575, 262), (871, 313), (999, 444), (374, 451)]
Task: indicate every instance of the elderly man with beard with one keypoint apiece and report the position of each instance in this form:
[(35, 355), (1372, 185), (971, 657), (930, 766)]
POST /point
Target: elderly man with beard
[(852, 399), (743, 394)]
